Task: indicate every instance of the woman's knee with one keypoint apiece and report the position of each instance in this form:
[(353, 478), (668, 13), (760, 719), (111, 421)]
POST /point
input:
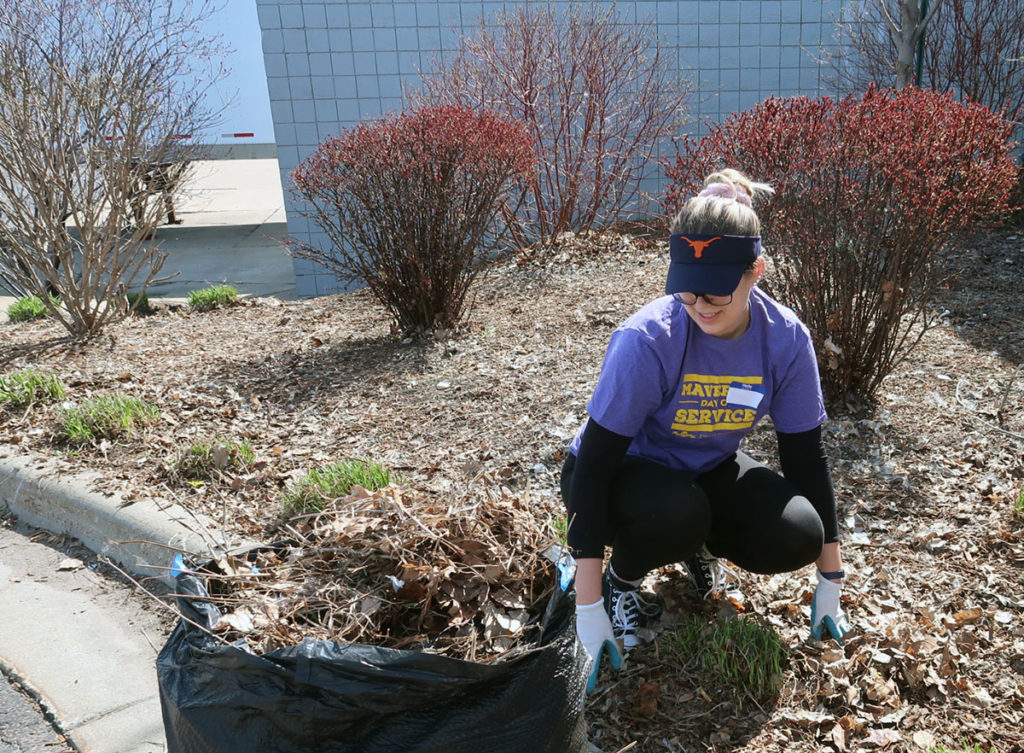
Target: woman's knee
[(659, 529), (805, 522), (654, 512), (565, 479), (785, 541), (660, 500), (676, 519), (801, 536)]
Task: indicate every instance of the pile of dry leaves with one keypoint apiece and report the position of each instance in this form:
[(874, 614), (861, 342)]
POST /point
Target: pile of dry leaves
[(467, 579), (477, 423)]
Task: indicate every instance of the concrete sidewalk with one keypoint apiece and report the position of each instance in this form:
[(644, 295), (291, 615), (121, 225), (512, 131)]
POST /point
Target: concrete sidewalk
[(233, 223), (88, 657), (81, 647), (90, 660)]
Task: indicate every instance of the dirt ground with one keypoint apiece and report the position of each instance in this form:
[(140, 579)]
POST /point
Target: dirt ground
[(926, 478)]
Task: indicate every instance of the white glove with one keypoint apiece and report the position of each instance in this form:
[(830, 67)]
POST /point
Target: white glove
[(827, 612), (594, 629)]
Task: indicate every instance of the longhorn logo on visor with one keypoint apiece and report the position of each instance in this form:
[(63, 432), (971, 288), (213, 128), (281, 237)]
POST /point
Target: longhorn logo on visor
[(699, 246)]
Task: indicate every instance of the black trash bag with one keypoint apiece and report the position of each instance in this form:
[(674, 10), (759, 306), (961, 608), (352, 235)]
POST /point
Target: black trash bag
[(322, 696)]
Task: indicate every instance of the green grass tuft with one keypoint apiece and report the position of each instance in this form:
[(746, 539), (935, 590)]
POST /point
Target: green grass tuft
[(29, 307), (212, 297), (203, 458), (1018, 506), (106, 417), (139, 304), (313, 492), (21, 389), (968, 748), (561, 527), (737, 654)]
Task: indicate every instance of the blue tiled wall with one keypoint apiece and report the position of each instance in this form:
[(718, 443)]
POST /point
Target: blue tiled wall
[(332, 63)]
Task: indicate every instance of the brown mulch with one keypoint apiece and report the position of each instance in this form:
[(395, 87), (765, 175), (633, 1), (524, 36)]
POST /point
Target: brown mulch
[(926, 478)]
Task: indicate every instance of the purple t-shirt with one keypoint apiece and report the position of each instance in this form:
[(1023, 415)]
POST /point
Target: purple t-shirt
[(688, 398)]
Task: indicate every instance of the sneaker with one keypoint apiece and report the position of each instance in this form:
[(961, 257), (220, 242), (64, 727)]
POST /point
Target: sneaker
[(629, 611), (708, 573)]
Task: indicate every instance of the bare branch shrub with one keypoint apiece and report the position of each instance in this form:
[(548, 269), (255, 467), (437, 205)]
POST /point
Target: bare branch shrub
[(596, 94), (95, 96), (973, 49), (407, 204), (871, 192)]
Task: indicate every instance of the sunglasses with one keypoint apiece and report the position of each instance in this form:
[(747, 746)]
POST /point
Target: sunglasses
[(689, 299)]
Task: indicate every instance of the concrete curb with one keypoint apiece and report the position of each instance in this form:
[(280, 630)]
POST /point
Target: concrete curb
[(141, 536), (101, 687)]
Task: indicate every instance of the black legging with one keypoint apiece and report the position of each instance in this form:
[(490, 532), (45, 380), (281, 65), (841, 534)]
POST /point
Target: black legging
[(740, 509)]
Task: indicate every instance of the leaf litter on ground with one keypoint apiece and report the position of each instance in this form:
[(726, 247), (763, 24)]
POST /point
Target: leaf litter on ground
[(926, 477)]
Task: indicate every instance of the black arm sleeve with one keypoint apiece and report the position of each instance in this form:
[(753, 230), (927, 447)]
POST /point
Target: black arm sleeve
[(597, 461), (805, 465)]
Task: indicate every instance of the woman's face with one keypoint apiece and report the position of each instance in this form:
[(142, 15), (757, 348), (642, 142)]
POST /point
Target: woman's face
[(731, 321)]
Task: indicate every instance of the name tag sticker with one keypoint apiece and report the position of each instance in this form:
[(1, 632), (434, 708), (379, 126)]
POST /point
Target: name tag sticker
[(745, 395)]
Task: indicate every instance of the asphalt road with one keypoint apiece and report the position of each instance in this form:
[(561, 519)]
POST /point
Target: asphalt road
[(23, 728)]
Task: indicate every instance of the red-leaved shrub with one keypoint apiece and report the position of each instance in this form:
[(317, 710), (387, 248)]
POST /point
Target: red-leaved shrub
[(408, 204), (871, 191)]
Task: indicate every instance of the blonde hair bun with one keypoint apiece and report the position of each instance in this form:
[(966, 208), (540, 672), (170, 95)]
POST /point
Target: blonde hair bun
[(723, 207), (732, 184)]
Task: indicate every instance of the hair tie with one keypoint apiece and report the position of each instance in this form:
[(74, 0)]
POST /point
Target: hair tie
[(726, 191)]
